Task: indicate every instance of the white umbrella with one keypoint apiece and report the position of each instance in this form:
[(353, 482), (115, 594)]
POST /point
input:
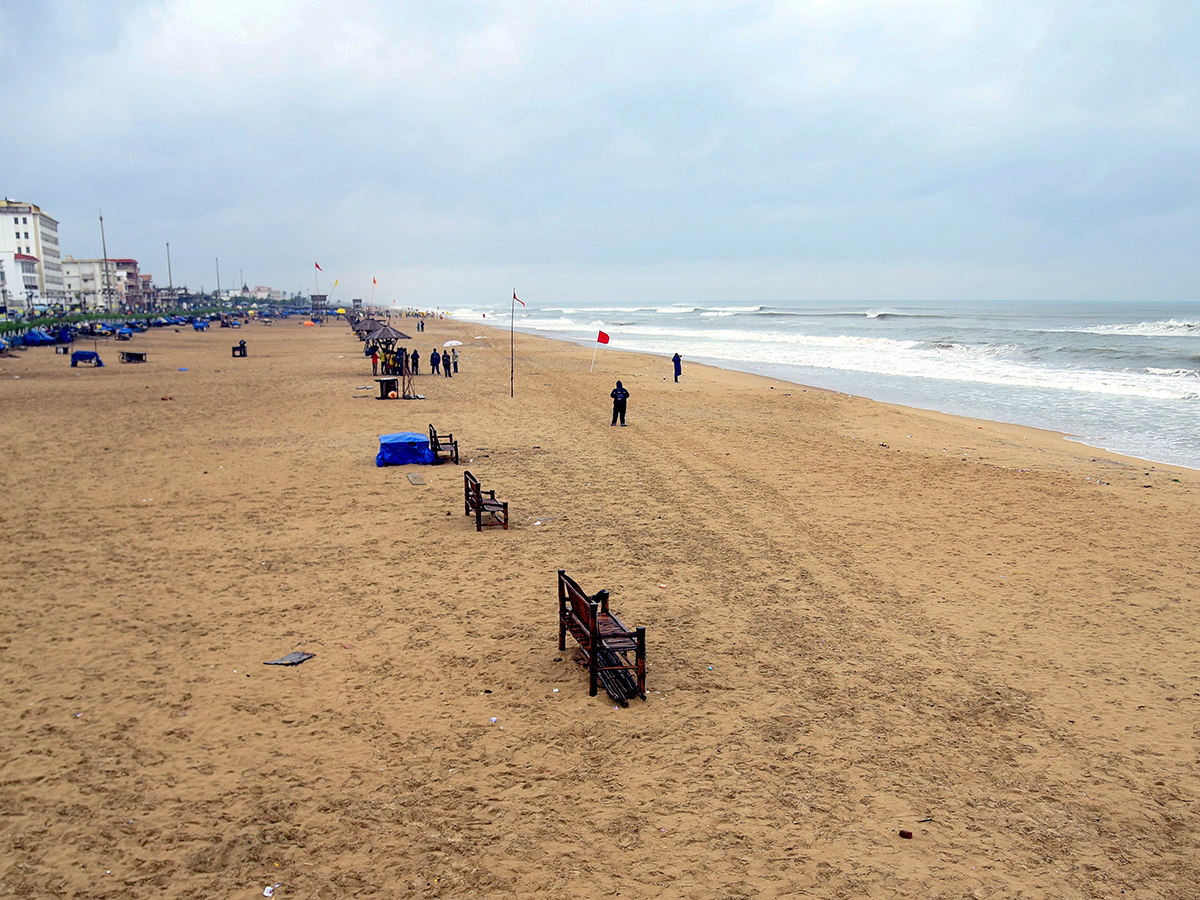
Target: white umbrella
[(452, 344)]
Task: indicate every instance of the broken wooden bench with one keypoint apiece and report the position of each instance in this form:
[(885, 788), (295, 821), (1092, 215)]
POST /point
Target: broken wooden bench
[(606, 643)]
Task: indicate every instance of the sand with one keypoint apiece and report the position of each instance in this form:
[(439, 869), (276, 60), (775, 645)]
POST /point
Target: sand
[(862, 620)]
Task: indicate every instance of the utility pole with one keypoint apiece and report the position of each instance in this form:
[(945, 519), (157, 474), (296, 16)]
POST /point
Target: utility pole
[(104, 248), (218, 279), (170, 280)]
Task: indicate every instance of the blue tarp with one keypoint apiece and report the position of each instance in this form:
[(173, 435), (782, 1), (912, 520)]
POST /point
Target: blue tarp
[(406, 448)]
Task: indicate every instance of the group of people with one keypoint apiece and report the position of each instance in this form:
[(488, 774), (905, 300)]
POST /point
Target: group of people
[(443, 362)]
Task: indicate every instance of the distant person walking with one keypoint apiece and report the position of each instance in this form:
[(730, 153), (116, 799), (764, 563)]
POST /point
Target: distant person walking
[(619, 396), (446, 364), (416, 361), (435, 362), (678, 363)]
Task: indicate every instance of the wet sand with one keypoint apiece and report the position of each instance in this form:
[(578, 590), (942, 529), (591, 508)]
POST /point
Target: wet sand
[(862, 619)]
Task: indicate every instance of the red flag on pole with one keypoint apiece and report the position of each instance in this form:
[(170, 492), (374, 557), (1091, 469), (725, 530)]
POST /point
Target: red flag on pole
[(373, 281), (518, 299), (318, 265), (602, 338)]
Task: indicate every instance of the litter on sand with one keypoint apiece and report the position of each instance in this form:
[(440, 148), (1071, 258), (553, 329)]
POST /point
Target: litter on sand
[(292, 659), (414, 477)]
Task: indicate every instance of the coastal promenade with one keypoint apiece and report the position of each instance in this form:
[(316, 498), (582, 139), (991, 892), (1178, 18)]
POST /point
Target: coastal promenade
[(861, 620)]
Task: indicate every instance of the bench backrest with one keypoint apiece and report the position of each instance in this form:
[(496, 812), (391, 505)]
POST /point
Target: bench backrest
[(471, 487), (580, 602), (433, 437)]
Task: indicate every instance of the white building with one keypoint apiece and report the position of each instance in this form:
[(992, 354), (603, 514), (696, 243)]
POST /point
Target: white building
[(27, 230), (19, 292), (85, 287)]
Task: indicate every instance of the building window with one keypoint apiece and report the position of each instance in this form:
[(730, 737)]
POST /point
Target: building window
[(24, 221), (27, 235)]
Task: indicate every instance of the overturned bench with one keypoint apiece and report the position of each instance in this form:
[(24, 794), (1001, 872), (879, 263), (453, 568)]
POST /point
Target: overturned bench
[(478, 502), (443, 446), (606, 643), (131, 356)]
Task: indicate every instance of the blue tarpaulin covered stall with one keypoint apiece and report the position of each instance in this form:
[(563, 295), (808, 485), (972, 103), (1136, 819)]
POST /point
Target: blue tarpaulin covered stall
[(86, 356), (404, 449)]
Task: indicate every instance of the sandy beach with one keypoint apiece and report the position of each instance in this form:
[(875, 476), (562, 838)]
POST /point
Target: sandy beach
[(862, 620)]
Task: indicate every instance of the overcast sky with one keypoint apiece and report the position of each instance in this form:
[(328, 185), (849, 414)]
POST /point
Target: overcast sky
[(754, 151)]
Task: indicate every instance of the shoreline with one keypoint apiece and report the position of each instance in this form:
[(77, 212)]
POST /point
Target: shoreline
[(1066, 437)]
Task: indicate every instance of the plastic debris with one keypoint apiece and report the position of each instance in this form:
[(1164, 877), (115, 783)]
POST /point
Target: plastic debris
[(492, 720)]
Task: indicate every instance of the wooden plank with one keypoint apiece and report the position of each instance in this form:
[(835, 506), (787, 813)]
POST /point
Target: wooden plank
[(414, 477)]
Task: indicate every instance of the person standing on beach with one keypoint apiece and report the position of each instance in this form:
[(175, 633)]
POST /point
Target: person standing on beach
[(454, 359), (435, 362), (375, 362), (416, 360), (446, 364), (678, 363), (619, 396)]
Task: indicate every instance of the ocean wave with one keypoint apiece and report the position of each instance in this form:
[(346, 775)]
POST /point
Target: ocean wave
[(997, 365), (1169, 328)]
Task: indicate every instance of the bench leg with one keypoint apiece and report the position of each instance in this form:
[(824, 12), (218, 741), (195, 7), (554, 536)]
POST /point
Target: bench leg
[(562, 612), (641, 661), (593, 665)]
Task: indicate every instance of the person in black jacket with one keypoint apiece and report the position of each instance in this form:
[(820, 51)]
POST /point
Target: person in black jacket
[(435, 361), (416, 361), (619, 396)]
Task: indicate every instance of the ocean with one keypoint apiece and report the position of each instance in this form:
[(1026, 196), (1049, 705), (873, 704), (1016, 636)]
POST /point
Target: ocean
[(1120, 377)]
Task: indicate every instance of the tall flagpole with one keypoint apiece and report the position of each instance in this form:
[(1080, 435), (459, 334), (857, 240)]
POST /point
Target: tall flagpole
[(512, 346)]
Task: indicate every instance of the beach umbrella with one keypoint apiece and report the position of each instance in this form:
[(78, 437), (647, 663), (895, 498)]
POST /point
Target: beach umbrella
[(386, 334), (452, 344), (366, 326), (341, 312)]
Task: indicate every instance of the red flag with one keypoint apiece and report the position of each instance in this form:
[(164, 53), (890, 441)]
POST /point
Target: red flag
[(318, 265), (518, 299), (602, 338), (374, 282)]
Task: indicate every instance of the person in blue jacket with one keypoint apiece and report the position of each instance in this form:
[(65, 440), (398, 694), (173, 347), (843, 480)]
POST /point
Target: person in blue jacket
[(619, 396), (435, 362), (416, 361), (678, 363)]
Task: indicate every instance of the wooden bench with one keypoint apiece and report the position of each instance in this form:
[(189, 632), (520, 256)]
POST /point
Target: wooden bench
[(606, 643), (239, 349), (443, 446), (477, 502), (130, 356)]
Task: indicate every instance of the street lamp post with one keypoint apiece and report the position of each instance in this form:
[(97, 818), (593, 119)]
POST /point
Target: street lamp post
[(104, 248)]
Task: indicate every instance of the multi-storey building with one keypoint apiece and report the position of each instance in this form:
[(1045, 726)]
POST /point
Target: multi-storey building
[(88, 289), (131, 280), (25, 229), (18, 283)]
